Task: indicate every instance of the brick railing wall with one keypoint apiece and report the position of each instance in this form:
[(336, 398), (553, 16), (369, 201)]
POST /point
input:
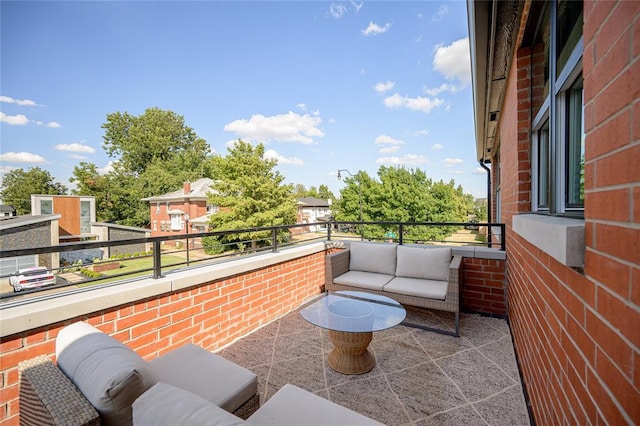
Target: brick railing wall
[(210, 315), (484, 286)]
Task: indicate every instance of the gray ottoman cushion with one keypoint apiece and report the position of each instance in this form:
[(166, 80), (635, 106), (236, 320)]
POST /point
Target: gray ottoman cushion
[(164, 404), (294, 406), (207, 375)]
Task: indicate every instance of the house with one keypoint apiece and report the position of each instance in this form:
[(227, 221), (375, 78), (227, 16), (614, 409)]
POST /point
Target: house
[(7, 211), (77, 214), (182, 211), (312, 210), (557, 118)]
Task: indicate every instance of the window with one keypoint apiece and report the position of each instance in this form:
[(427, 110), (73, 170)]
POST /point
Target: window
[(158, 208), (557, 98), (176, 222), (212, 208), (46, 206), (85, 217)]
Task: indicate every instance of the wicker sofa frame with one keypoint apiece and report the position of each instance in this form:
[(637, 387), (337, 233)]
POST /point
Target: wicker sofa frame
[(338, 263)]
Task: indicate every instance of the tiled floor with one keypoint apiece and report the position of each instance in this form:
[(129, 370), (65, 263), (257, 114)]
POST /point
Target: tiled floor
[(420, 377)]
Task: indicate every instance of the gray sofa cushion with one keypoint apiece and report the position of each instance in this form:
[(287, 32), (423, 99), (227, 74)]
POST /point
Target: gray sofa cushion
[(364, 280), (294, 406), (373, 257), (425, 263), (207, 375), (110, 375), (418, 287), (164, 404)]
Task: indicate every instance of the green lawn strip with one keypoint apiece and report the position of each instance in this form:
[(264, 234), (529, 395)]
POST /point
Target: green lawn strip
[(132, 266)]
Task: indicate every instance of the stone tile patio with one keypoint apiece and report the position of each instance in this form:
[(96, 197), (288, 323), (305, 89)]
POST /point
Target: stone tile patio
[(420, 377)]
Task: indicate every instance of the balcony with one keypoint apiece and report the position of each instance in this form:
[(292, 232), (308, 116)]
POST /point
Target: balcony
[(245, 307)]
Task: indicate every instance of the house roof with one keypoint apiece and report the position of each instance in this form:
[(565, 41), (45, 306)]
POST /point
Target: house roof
[(313, 202), (493, 33), (7, 208), (199, 191), (26, 219)]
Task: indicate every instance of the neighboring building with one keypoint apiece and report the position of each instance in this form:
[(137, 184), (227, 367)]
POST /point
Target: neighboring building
[(7, 211), (170, 213), (557, 116), (312, 210), (114, 232), (77, 214), (28, 231)]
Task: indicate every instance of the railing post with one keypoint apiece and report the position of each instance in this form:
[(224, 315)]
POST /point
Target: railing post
[(157, 261), (400, 234), (503, 237), (274, 239), (329, 224)]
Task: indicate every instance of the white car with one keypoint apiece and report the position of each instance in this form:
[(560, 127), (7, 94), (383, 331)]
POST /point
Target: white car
[(34, 277)]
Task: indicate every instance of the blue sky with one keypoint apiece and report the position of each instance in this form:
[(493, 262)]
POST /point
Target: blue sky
[(325, 85)]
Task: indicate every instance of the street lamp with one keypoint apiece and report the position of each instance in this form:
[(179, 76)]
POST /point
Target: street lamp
[(186, 219), (359, 197)]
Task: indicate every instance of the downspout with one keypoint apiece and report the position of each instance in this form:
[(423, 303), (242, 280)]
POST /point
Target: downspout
[(489, 206)]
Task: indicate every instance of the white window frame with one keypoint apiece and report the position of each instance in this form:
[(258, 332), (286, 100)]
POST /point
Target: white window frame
[(554, 110), (176, 222)]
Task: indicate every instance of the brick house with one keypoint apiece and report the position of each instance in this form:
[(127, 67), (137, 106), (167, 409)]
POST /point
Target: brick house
[(312, 210), (173, 212), (557, 116)]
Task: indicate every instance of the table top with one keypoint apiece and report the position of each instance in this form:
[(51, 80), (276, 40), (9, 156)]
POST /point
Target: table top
[(353, 311)]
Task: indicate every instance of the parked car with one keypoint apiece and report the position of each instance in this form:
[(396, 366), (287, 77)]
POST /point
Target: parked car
[(34, 277)]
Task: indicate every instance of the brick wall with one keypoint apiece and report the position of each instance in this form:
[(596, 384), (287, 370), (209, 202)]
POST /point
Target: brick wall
[(484, 286), (210, 315), (577, 334)]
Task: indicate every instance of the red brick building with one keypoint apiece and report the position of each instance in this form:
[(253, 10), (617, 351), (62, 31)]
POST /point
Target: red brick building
[(557, 115), (173, 212)]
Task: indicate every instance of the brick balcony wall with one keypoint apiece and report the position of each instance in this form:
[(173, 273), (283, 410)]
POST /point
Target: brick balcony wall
[(484, 286)]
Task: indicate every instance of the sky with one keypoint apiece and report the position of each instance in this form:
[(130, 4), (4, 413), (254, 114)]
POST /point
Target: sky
[(323, 85)]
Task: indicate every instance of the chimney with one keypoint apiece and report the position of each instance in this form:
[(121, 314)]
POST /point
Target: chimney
[(187, 188)]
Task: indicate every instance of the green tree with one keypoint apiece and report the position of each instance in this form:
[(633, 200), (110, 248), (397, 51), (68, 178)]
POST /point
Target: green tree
[(18, 185), (251, 194), (154, 153)]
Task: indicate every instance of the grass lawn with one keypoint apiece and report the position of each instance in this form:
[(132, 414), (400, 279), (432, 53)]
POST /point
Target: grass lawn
[(134, 267)]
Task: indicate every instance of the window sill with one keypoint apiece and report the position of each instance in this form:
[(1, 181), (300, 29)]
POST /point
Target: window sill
[(560, 237)]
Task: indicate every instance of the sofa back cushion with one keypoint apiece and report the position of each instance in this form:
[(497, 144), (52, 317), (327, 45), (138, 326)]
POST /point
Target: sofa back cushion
[(373, 257), (429, 263), (109, 374)]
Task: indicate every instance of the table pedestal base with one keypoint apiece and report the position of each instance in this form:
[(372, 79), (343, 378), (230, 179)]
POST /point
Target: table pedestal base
[(350, 354)]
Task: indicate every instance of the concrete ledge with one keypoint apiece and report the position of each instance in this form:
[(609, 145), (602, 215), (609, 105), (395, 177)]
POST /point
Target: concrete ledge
[(561, 238), (64, 306)]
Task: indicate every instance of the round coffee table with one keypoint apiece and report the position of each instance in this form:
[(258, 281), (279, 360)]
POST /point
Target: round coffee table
[(351, 317)]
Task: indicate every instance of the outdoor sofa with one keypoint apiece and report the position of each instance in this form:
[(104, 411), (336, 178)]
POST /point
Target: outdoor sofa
[(99, 380), (425, 276)]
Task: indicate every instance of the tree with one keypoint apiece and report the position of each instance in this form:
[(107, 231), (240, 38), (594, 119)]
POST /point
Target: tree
[(154, 154), (18, 185), (251, 194)]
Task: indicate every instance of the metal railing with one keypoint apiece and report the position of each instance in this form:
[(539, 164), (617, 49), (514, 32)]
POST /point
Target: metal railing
[(233, 243)]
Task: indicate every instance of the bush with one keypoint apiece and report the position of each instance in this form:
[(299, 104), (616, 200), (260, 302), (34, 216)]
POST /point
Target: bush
[(212, 246)]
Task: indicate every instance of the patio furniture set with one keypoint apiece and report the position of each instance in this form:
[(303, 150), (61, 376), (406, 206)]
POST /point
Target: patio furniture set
[(99, 380)]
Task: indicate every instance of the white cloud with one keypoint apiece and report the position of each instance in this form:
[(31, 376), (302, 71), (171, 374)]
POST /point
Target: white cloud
[(444, 87), (443, 10), (273, 155), (337, 10), (21, 102), (53, 125), (302, 106), (357, 6), (422, 132), (452, 161), (437, 146), (388, 149), (458, 172), (454, 61), (479, 171), (382, 87), (106, 169), (375, 29), (6, 169), (14, 120), (415, 104), (290, 127), (74, 147), (407, 159), (22, 157), (387, 140)]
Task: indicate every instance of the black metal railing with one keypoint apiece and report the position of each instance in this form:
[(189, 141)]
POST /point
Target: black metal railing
[(162, 257)]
